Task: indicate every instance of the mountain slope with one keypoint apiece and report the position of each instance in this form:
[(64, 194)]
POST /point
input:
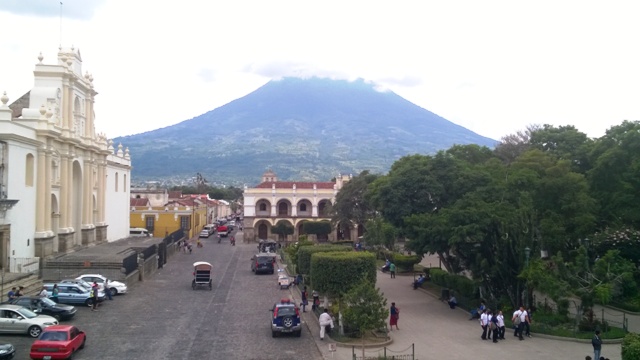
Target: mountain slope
[(304, 129)]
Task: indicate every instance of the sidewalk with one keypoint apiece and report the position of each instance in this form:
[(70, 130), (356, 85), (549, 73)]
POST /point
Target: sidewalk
[(438, 332)]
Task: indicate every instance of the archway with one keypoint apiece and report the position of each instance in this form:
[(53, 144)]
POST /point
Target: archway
[(304, 208), (323, 208), (344, 231), (263, 228), (284, 208), (263, 207), (76, 203)]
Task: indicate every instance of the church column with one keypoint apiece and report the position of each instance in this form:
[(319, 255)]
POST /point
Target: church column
[(70, 205), (40, 194), (102, 183), (47, 191), (65, 188), (86, 193)]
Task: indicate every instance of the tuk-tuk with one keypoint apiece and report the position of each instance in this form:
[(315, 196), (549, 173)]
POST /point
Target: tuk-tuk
[(267, 246), (202, 275)]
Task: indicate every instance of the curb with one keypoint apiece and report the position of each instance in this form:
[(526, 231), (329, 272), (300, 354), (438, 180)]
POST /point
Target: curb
[(366, 346)]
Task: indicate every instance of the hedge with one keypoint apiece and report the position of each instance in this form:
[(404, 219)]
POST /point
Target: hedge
[(460, 284), (405, 262), (336, 273), (631, 347), (305, 252)]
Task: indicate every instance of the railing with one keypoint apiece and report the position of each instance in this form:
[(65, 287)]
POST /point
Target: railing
[(384, 354), (24, 265), (130, 263)]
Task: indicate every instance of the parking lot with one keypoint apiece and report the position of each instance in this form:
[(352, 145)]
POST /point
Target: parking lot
[(163, 318)]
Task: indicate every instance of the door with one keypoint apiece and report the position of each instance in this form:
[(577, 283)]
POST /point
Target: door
[(14, 323), (65, 294)]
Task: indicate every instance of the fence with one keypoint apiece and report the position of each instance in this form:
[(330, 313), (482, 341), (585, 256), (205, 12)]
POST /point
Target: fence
[(130, 263), (384, 354), (24, 265)]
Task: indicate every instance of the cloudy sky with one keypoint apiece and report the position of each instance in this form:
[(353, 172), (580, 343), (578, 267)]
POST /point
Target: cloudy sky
[(491, 66)]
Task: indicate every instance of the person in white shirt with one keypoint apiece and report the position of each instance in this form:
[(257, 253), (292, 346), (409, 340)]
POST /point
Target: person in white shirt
[(325, 320), (500, 325), (484, 320), (43, 293), (516, 314), (519, 317)]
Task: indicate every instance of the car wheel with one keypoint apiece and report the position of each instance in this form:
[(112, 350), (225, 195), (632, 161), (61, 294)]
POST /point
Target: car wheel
[(83, 342), (88, 302), (287, 321), (34, 331), (114, 291), (274, 334)]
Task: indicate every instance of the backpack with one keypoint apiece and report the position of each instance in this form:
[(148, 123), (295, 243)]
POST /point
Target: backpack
[(492, 326), (516, 321)]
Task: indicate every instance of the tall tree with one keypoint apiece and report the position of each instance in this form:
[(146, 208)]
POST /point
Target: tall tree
[(352, 205)]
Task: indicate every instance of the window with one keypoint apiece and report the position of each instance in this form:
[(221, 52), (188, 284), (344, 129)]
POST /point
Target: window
[(116, 182), (283, 209), (303, 207), (185, 222), (29, 169), (263, 207)]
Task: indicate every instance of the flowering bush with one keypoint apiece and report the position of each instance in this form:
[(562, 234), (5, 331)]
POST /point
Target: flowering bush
[(626, 240)]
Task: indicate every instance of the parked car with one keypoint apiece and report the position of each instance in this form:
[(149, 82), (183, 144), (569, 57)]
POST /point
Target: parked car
[(19, 320), (7, 351), (139, 232), (73, 294), (116, 287), (285, 318), (263, 263), (46, 306), (58, 342)]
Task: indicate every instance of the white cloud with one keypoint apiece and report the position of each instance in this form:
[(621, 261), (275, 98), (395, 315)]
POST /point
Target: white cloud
[(492, 66)]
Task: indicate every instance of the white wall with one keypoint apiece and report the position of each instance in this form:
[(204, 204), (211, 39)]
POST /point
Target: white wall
[(22, 216), (117, 202)]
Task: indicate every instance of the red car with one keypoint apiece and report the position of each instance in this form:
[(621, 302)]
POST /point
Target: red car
[(58, 342)]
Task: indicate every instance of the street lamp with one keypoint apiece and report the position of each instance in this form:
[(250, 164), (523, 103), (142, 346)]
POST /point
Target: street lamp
[(527, 253)]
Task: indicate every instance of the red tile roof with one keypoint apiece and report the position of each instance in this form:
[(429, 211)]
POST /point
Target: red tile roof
[(175, 194), (299, 185), (139, 202)]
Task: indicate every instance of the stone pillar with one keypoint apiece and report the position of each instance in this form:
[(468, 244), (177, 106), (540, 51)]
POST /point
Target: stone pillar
[(86, 194), (70, 191), (48, 212), (102, 186), (65, 188), (40, 179)]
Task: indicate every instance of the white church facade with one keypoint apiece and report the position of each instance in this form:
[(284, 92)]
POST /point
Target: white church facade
[(62, 186)]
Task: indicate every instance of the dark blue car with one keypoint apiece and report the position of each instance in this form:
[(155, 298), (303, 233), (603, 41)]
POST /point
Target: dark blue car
[(285, 318)]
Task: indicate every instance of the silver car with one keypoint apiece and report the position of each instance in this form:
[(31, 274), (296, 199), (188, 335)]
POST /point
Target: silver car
[(19, 320)]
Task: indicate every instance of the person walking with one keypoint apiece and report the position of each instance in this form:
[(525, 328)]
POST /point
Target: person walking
[(107, 289), (94, 296), (394, 315), (305, 301), (325, 320), (483, 323), (392, 270), (12, 293), (501, 328), (493, 326), (527, 323), (20, 291), (518, 320), (43, 293), (54, 293), (596, 341)]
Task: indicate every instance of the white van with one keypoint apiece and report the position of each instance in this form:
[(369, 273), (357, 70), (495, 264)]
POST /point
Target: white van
[(135, 232), (210, 228)]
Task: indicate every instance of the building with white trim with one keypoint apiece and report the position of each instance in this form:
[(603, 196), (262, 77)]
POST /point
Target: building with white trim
[(67, 184)]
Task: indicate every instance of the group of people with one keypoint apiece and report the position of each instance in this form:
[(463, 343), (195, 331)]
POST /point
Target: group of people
[(493, 325), (15, 293)]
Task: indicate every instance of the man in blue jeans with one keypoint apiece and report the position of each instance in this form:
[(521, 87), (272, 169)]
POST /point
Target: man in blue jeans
[(597, 345)]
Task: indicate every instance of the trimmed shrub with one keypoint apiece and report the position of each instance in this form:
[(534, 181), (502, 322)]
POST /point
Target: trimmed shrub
[(405, 262), (459, 283), (631, 347), (336, 273), (305, 252)]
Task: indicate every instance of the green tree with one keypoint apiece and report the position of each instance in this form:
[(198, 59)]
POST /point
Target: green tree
[(366, 309), (319, 228), (282, 229), (380, 233), (352, 205)]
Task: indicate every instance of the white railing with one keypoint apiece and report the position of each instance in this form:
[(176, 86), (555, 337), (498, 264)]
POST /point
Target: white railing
[(24, 265)]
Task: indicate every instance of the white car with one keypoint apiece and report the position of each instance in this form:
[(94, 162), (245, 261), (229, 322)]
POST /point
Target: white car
[(116, 287)]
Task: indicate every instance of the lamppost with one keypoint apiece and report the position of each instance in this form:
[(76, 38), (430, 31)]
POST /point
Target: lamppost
[(527, 252)]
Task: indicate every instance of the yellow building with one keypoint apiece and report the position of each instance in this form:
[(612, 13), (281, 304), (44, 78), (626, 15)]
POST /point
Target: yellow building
[(164, 220)]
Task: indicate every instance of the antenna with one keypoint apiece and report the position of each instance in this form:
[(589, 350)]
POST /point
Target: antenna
[(60, 23)]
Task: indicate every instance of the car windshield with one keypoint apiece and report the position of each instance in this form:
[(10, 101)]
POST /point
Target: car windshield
[(48, 301), (28, 314), (264, 260), (286, 311), (54, 336)]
